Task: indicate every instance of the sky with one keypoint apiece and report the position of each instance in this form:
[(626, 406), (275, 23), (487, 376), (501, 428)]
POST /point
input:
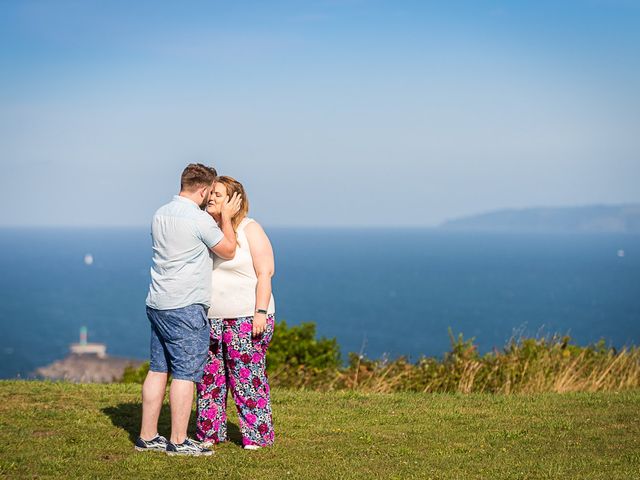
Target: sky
[(331, 112)]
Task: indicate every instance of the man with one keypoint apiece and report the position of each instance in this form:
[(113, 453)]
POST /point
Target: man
[(179, 294)]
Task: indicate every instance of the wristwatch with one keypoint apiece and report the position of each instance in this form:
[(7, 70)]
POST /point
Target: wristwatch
[(261, 310)]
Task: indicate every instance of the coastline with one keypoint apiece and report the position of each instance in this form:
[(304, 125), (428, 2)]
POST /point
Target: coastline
[(87, 368)]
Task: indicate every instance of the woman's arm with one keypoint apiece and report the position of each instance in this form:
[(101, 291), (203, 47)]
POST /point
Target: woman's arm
[(263, 264)]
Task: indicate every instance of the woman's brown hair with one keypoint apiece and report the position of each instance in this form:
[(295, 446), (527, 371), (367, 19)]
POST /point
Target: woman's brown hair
[(234, 186)]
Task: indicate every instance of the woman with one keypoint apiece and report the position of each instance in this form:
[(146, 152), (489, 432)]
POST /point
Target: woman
[(242, 320)]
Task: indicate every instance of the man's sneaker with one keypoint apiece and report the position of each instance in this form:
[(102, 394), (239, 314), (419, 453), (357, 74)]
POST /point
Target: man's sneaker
[(157, 443), (188, 447), (204, 443)]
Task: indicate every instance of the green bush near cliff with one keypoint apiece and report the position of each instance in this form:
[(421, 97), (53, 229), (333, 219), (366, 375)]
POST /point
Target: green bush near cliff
[(293, 350), (62, 430), (135, 375), (296, 346)]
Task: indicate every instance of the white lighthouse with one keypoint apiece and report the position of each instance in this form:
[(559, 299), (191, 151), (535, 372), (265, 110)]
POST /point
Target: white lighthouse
[(84, 347)]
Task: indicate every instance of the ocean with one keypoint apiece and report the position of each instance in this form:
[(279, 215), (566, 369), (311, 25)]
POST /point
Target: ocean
[(378, 291)]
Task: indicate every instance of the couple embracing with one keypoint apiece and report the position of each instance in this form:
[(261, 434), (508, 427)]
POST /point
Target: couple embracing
[(212, 316)]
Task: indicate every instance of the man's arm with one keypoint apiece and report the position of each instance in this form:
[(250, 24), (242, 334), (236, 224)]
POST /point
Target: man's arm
[(226, 248)]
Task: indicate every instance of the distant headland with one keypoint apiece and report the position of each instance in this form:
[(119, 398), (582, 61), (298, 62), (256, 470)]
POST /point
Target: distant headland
[(87, 363), (584, 219)]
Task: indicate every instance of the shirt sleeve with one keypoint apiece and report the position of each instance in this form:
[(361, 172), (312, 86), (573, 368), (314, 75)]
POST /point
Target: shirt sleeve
[(208, 231)]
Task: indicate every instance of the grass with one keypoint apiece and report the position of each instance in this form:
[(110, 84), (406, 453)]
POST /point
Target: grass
[(86, 431), (549, 363), (525, 365)]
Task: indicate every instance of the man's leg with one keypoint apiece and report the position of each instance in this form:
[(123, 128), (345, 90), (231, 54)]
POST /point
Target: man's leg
[(181, 399), (187, 341), (155, 384), (153, 391)]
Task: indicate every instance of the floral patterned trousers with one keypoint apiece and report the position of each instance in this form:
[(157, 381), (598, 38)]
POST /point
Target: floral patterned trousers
[(236, 362)]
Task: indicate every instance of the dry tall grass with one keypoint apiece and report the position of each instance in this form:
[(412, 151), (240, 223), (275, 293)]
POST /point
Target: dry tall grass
[(525, 365)]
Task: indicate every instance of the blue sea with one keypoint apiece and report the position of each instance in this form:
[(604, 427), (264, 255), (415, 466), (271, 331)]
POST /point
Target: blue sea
[(379, 292)]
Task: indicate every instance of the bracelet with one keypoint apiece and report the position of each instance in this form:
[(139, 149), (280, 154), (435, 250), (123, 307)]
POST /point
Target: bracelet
[(261, 310)]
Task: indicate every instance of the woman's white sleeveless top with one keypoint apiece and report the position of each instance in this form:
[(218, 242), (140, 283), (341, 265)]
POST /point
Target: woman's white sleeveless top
[(234, 282)]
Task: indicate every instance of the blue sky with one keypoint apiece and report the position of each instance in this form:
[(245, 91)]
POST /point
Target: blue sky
[(331, 112)]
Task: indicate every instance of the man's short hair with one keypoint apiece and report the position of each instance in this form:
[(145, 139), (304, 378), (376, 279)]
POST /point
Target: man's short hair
[(195, 176)]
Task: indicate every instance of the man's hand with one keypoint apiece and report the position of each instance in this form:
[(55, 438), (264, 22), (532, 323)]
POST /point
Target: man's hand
[(259, 324), (231, 206)]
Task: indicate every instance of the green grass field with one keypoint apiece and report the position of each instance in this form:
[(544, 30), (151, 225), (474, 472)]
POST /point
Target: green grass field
[(86, 431)]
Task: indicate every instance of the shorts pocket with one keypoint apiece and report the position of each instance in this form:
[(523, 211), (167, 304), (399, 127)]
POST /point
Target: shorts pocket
[(198, 341), (190, 349), (196, 318)]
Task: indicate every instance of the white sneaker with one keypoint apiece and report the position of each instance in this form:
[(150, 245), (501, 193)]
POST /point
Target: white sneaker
[(157, 443), (188, 447), (252, 447)]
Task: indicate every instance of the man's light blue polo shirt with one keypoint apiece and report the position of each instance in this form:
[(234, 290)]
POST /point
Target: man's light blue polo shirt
[(181, 272)]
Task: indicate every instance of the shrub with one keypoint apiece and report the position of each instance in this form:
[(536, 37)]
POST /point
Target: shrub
[(297, 359), (135, 375), (297, 346)]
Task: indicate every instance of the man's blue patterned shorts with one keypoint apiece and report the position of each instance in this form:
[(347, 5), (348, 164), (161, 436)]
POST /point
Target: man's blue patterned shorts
[(179, 341)]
